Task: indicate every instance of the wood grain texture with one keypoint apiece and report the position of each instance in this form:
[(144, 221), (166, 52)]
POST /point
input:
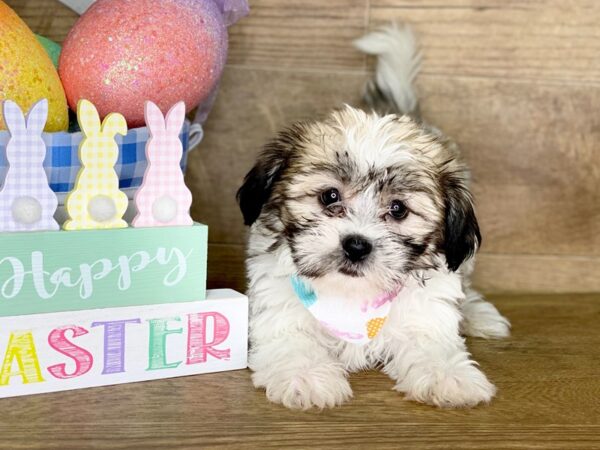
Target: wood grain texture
[(534, 40), (299, 34), (537, 273), (226, 267), (48, 18), (516, 82), (534, 158), (546, 373)]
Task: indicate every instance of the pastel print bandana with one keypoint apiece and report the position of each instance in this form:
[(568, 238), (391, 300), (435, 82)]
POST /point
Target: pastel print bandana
[(355, 322)]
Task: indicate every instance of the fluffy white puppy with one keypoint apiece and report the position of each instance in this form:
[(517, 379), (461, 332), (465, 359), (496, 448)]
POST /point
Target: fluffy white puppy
[(361, 204)]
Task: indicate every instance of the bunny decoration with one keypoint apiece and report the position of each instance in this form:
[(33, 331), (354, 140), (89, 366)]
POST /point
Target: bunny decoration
[(26, 201), (96, 201), (163, 199)]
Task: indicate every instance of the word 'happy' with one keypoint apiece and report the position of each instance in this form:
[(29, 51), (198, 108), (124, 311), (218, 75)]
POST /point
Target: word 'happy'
[(46, 284)]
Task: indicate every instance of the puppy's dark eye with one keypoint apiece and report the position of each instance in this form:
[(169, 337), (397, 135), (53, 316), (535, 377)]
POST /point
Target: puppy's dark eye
[(330, 196), (398, 210)]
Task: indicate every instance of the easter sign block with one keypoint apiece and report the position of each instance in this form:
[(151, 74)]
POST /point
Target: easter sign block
[(50, 271), (98, 347)]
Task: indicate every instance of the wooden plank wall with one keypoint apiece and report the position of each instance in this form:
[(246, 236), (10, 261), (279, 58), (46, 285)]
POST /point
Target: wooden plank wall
[(515, 82)]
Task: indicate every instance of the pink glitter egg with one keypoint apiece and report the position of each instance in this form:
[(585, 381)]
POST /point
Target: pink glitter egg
[(121, 53)]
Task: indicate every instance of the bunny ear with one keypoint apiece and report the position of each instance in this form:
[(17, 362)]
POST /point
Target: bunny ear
[(154, 118), (114, 123), (175, 117), (36, 118), (13, 117), (88, 117)]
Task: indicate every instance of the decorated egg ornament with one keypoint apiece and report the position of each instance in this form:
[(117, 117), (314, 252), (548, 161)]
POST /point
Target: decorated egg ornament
[(27, 74), (122, 53)]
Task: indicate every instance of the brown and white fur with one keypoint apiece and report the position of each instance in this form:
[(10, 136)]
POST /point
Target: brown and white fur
[(372, 161)]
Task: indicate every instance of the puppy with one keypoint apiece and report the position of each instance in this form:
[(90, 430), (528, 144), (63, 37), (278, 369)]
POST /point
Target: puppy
[(356, 205)]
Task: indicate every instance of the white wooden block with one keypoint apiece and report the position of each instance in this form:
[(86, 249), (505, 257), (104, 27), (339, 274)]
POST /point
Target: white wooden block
[(78, 349)]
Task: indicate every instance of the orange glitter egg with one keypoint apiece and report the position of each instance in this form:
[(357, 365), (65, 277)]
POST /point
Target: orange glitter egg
[(26, 71)]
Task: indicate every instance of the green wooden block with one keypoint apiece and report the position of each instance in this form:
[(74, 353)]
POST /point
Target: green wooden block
[(54, 271)]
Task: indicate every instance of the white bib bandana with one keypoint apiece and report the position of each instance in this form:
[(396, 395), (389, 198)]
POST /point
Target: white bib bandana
[(355, 322)]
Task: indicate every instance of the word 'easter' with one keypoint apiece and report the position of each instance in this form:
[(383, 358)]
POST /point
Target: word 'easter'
[(66, 350), (204, 332)]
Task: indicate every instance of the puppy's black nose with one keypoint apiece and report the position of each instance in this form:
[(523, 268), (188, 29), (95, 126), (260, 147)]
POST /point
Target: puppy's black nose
[(356, 247)]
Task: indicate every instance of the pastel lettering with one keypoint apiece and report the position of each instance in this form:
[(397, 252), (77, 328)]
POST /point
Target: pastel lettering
[(84, 275), (12, 286), (83, 359), (145, 260), (157, 358), (176, 274), (114, 344), (88, 275), (37, 270), (199, 345), (22, 349)]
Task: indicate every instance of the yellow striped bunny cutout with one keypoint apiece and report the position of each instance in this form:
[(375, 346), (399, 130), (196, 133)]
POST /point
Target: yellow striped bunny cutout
[(96, 201)]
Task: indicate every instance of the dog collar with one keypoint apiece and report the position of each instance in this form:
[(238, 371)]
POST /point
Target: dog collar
[(355, 322)]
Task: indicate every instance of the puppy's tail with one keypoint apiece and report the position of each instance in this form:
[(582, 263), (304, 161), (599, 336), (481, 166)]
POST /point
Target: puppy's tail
[(398, 60)]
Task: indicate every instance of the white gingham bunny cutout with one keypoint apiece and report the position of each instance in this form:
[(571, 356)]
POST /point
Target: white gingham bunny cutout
[(163, 199), (26, 201)]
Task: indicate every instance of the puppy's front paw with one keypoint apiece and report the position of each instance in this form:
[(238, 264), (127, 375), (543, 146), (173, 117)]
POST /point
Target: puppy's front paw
[(482, 319), (322, 386), (456, 387)]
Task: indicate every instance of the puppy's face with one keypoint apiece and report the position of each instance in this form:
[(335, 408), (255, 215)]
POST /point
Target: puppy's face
[(364, 197)]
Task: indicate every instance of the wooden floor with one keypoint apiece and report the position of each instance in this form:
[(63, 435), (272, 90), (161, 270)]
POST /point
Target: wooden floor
[(548, 375)]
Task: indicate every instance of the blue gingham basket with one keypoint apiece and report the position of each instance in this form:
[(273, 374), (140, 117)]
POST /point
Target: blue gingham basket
[(62, 159)]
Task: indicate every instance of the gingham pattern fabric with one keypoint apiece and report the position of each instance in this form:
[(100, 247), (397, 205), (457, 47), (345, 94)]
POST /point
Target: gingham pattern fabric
[(163, 199), (62, 160), (97, 181), (25, 193)]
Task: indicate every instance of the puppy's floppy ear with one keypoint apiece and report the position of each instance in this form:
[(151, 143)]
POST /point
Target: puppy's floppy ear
[(461, 231), (259, 182)]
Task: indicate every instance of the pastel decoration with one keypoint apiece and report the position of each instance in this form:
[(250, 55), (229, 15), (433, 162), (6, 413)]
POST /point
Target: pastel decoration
[(44, 272), (374, 326), (26, 71), (51, 47), (96, 201), (113, 345), (121, 53), (26, 201), (304, 292), (357, 321), (163, 199)]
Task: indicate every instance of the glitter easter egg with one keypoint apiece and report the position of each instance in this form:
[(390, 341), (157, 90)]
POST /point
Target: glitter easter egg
[(122, 53), (51, 47), (27, 74)]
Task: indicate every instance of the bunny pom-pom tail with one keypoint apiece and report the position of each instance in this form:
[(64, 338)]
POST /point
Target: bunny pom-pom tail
[(102, 208), (27, 210)]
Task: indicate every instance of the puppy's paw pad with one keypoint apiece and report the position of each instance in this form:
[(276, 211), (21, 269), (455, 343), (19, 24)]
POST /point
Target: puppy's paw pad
[(460, 387), (319, 387), (482, 319)]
